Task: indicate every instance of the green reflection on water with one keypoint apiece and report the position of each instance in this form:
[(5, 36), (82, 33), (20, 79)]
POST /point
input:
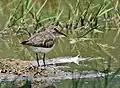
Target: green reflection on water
[(10, 47)]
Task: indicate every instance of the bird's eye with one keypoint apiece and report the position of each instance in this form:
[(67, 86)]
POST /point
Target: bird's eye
[(56, 29)]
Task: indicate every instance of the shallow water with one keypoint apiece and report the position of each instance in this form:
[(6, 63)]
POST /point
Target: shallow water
[(10, 47)]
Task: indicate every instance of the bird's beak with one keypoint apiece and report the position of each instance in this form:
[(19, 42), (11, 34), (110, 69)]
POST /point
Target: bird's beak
[(63, 34)]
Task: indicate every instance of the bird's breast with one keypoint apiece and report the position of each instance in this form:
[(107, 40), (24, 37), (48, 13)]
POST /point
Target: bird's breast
[(40, 49)]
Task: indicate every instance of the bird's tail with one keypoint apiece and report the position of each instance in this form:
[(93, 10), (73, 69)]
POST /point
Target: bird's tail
[(24, 42)]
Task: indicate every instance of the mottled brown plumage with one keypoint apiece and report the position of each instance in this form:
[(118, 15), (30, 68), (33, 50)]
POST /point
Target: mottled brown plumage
[(43, 41), (45, 38)]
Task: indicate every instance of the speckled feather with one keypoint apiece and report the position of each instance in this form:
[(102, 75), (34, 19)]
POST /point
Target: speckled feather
[(45, 39)]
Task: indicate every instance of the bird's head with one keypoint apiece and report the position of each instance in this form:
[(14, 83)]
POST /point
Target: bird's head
[(56, 32)]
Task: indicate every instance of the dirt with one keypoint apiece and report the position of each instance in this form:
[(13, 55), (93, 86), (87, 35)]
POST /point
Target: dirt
[(21, 68), (10, 68)]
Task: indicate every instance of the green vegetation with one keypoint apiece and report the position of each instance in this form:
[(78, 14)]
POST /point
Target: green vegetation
[(92, 26), (14, 84)]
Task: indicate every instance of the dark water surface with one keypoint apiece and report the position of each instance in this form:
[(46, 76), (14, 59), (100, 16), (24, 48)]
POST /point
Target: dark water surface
[(10, 47)]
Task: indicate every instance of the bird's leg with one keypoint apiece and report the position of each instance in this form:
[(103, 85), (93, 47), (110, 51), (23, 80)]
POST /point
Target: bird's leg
[(37, 59), (38, 66), (44, 60)]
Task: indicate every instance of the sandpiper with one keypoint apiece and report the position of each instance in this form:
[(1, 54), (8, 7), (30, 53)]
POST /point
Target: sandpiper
[(43, 41)]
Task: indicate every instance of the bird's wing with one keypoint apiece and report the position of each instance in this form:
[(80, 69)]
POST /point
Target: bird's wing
[(40, 40)]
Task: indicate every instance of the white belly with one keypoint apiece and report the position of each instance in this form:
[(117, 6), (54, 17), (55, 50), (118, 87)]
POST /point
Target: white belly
[(40, 49)]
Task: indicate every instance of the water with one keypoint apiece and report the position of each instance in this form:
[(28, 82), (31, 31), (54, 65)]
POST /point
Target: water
[(10, 47)]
